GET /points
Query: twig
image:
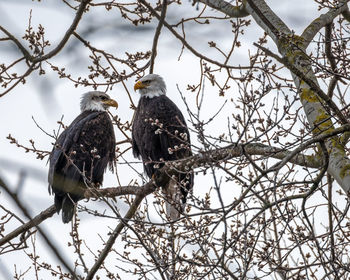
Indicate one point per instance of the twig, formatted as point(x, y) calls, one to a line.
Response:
point(113, 237)
point(313, 86)
point(331, 59)
point(68, 33)
point(43, 234)
point(42, 216)
point(37, 59)
point(60, 45)
point(157, 34)
point(202, 159)
point(186, 44)
point(313, 189)
point(24, 51)
point(30, 69)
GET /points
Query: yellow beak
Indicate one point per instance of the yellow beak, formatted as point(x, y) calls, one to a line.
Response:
point(139, 85)
point(111, 102)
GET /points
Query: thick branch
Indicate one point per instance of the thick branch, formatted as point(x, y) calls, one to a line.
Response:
point(320, 22)
point(198, 160)
point(227, 8)
point(49, 212)
point(267, 19)
point(122, 190)
point(292, 48)
point(220, 155)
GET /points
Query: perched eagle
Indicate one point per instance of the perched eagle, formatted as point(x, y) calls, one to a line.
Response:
point(159, 134)
point(82, 152)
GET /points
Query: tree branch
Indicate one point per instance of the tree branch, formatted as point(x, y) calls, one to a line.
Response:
point(227, 8)
point(313, 86)
point(185, 43)
point(57, 252)
point(316, 25)
point(291, 48)
point(346, 14)
point(195, 161)
point(267, 19)
point(68, 33)
point(61, 44)
point(30, 69)
point(157, 34)
point(24, 51)
point(113, 237)
point(49, 212)
point(198, 160)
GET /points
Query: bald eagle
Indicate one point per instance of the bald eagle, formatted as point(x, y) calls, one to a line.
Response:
point(159, 134)
point(82, 152)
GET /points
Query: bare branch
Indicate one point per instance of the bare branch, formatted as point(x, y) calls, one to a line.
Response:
point(60, 45)
point(316, 25)
point(323, 96)
point(227, 8)
point(48, 213)
point(157, 34)
point(185, 43)
point(54, 249)
point(82, 7)
point(113, 237)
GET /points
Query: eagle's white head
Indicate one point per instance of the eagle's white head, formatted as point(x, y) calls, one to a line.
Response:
point(96, 101)
point(151, 85)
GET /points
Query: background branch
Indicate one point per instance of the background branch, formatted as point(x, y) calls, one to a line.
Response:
point(157, 34)
point(48, 241)
point(113, 237)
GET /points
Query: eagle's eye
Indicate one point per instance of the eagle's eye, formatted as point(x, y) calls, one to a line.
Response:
point(103, 98)
point(147, 82)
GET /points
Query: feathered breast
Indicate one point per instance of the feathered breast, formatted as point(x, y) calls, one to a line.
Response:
point(159, 132)
point(82, 151)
